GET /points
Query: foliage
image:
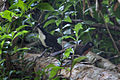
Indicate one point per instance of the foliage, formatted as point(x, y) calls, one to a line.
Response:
point(71, 20)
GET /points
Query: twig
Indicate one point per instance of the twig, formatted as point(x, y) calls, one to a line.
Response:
point(31, 44)
point(71, 66)
point(39, 21)
point(110, 33)
point(40, 16)
point(61, 51)
point(40, 55)
point(116, 56)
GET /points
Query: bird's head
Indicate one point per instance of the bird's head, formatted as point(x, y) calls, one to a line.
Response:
point(89, 44)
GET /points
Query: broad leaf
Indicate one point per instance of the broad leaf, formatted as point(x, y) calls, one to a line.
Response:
point(49, 22)
point(0, 28)
point(67, 52)
point(2, 43)
point(30, 2)
point(77, 28)
point(65, 37)
point(0, 51)
point(20, 33)
point(45, 6)
point(25, 48)
point(79, 59)
point(7, 15)
point(58, 22)
point(20, 27)
point(19, 4)
point(87, 30)
point(6, 37)
point(54, 71)
point(67, 19)
point(1, 61)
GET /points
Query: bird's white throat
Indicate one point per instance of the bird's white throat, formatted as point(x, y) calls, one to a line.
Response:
point(42, 37)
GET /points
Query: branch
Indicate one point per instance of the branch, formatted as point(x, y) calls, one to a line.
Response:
point(116, 28)
point(110, 33)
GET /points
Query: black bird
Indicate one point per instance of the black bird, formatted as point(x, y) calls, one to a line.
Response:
point(83, 50)
point(48, 40)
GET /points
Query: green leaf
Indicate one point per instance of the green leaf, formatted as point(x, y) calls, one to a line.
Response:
point(25, 48)
point(50, 66)
point(87, 30)
point(67, 19)
point(67, 53)
point(65, 37)
point(0, 28)
point(58, 22)
point(67, 7)
point(54, 71)
point(20, 33)
point(61, 8)
point(16, 49)
point(77, 28)
point(20, 27)
point(0, 51)
point(67, 32)
point(79, 59)
point(1, 61)
point(11, 71)
point(57, 78)
point(45, 6)
point(106, 17)
point(47, 15)
point(2, 43)
point(19, 4)
point(7, 15)
point(13, 33)
point(6, 37)
point(30, 2)
point(65, 26)
point(49, 22)
point(68, 69)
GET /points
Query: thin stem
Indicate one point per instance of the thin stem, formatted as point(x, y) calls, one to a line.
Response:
point(109, 33)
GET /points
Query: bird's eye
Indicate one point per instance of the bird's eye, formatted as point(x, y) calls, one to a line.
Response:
point(91, 44)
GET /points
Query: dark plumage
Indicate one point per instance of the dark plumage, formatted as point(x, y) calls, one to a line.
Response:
point(48, 40)
point(83, 50)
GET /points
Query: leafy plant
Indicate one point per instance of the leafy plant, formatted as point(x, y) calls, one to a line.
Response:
point(71, 20)
point(54, 70)
point(79, 32)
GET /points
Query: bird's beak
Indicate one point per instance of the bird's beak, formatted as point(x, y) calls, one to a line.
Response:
point(35, 29)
